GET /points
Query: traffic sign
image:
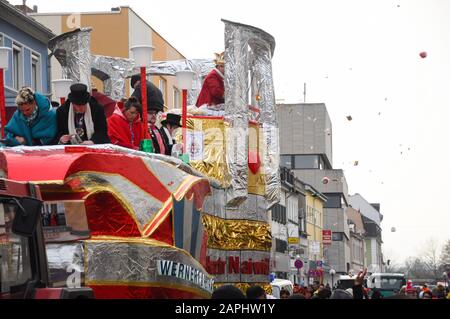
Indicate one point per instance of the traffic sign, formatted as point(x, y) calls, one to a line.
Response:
point(326, 237)
point(298, 264)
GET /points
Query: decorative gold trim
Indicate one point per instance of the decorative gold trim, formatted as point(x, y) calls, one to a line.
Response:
point(95, 189)
point(230, 234)
point(186, 184)
point(49, 182)
point(108, 174)
point(150, 228)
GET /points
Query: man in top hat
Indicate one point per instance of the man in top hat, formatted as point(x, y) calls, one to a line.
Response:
point(159, 144)
point(169, 125)
point(81, 120)
point(155, 98)
point(212, 92)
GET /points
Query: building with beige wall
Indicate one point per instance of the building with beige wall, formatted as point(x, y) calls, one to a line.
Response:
point(357, 244)
point(114, 33)
point(315, 201)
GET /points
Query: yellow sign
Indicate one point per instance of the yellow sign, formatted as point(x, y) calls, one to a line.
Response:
point(293, 240)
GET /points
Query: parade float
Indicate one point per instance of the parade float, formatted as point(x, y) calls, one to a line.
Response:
point(126, 224)
point(130, 224)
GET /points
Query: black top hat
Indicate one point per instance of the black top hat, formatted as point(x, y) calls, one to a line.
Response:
point(173, 119)
point(134, 79)
point(79, 94)
point(54, 104)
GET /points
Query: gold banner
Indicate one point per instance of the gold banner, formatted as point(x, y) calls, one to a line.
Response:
point(213, 163)
point(237, 234)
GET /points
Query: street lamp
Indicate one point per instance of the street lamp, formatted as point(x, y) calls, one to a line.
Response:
point(184, 79)
point(332, 273)
point(445, 274)
point(62, 89)
point(4, 63)
point(142, 55)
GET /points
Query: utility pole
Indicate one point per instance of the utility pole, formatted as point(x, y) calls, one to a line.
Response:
point(304, 92)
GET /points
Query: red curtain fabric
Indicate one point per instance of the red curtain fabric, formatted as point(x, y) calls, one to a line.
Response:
point(107, 217)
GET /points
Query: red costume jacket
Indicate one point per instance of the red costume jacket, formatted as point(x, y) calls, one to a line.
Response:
point(122, 133)
point(212, 90)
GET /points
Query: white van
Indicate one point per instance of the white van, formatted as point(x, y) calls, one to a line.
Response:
point(345, 281)
point(388, 283)
point(278, 284)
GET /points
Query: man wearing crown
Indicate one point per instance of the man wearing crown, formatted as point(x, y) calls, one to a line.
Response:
point(212, 92)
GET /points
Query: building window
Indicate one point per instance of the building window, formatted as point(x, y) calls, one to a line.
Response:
point(301, 219)
point(35, 72)
point(176, 98)
point(313, 216)
point(17, 67)
point(286, 161)
point(308, 214)
point(337, 236)
point(162, 87)
point(333, 201)
point(292, 210)
point(280, 246)
point(318, 219)
point(279, 214)
point(321, 163)
point(306, 161)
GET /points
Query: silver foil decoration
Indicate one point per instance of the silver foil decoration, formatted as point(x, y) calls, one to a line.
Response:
point(253, 208)
point(248, 79)
point(113, 72)
point(236, 111)
point(201, 68)
point(66, 264)
point(127, 261)
point(72, 50)
point(271, 159)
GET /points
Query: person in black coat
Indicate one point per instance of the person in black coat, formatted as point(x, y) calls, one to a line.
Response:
point(81, 120)
point(169, 125)
point(157, 135)
point(155, 98)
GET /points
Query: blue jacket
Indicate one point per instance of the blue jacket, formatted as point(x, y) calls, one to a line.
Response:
point(43, 128)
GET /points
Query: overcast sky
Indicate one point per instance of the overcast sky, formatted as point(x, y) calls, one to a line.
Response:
point(360, 58)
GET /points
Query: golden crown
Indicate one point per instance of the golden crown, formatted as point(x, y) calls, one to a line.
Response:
point(220, 58)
